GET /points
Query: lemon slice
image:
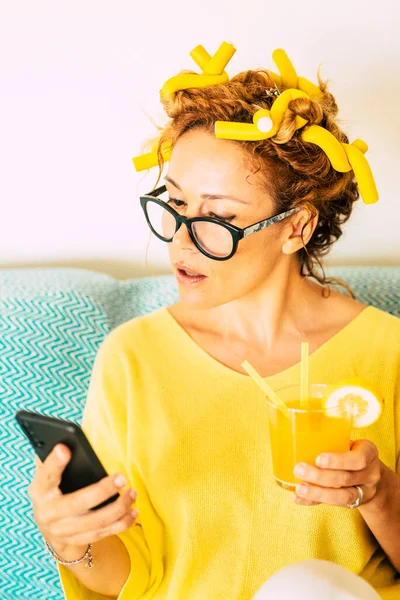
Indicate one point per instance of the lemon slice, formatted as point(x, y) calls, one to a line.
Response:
point(357, 397)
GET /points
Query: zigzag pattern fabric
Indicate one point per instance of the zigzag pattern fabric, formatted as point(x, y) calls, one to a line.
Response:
point(52, 322)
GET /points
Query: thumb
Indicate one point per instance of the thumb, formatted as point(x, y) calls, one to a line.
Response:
point(53, 467)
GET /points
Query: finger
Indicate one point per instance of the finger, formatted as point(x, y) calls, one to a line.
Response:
point(81, 538)
point(81, 501)
point(303, 501)
point(49, 474)
point(335, 478)
point(94, 521)
point(361, 454)
point(331, 496)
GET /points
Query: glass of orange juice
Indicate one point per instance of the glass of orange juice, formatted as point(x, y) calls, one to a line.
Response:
point(304, 433)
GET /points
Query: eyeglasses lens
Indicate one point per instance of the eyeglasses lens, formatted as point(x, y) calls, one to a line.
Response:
point(162, 221)
point(215, 239)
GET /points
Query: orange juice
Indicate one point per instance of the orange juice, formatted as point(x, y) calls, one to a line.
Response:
point(305, 433)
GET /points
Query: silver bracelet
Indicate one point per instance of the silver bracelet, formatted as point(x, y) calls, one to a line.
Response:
point(60, 560)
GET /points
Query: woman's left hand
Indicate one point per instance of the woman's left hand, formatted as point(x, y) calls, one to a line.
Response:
point(332, 482)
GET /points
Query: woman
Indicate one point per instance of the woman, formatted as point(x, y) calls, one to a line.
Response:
point(170, 407)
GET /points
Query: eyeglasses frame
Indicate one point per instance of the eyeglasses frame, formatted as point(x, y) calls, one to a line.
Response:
point(237, 233)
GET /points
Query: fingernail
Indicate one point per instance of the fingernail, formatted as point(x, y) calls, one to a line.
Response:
point(132, 494)
point(322, 461)
point(120, 481)
point(60, 453)
point(134, 513)
point(299, 470)
point(302, 490)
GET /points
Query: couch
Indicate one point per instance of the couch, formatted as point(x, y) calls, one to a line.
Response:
point(52, 322)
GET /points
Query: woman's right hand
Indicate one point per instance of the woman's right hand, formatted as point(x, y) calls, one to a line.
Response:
point(65, 520)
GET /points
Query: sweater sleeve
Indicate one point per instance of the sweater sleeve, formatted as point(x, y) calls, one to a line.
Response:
point(391, 335)
point(397, 417)
point(104, 422)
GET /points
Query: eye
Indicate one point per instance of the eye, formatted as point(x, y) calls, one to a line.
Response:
point(177, 203)
point(225, 219)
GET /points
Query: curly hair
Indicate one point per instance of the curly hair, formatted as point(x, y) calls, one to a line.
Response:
point(302, 173)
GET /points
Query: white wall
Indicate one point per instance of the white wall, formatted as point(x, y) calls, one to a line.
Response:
point(77, 79)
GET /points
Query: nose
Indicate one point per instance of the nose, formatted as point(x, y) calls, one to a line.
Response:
point(182, 239)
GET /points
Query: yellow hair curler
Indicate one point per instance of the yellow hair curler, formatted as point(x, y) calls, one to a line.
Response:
point(212, 73)
point(256, 131)
point(363, 173)
point(361, 145)
point(330, 145)
point(150, 159)
point(286, 68)
point(288, 77)
point(309, 88)
point(344, 157)
point(212, 67)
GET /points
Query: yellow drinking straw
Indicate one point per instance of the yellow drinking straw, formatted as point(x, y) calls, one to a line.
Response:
point(265, 387)
point(304, 375)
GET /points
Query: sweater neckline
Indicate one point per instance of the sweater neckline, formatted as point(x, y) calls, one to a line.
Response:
point(224, 369)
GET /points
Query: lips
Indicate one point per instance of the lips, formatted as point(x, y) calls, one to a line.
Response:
point(188, 270)
point(188, 275)
point(191, 273)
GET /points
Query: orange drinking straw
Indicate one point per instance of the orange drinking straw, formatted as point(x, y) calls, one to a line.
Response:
point(268, 391)
point(304, 375)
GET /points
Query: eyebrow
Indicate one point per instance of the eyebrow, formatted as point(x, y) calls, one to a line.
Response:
point(208, 196)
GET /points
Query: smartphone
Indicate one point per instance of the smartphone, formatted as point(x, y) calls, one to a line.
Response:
point(83, 469)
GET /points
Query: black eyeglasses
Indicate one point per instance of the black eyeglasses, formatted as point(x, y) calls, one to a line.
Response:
point(216, 240)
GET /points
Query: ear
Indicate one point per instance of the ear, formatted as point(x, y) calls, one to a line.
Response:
point(298, 233)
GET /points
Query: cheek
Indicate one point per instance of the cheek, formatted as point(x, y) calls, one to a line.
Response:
point(253, 263)
point(229, 280)
point(260, 250)
point(252, 267)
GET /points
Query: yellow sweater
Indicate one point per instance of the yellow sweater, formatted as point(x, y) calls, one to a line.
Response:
point(191, 435)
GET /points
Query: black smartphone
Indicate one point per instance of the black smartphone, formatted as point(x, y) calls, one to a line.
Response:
point(83, 469)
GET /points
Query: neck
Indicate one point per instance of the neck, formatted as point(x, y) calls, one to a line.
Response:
point(284, 304)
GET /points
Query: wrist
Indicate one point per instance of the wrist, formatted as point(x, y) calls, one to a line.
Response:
point(68, 552)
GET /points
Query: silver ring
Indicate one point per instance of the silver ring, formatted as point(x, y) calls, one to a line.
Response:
point(359, 499)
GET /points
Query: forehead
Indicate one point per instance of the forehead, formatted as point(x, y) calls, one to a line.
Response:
point(200, 162)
